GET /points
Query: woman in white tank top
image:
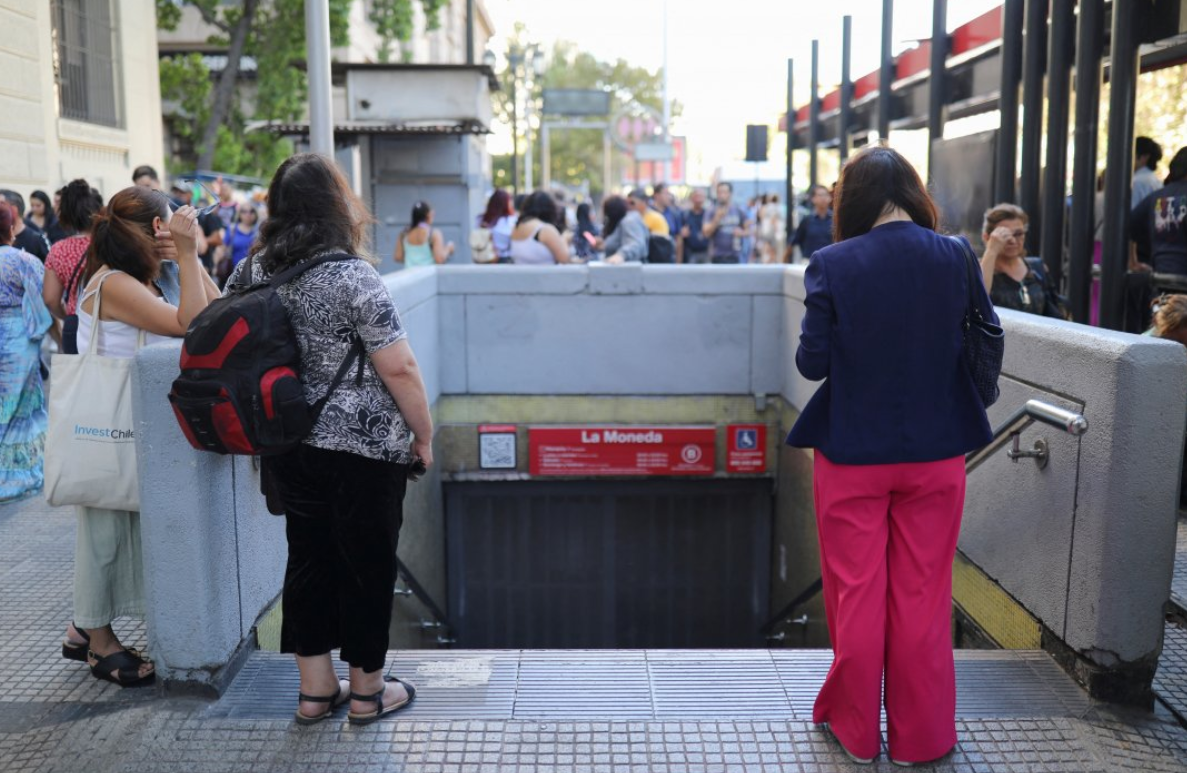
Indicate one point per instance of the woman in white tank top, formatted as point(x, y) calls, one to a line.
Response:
point(129, 241)
point(535, 240)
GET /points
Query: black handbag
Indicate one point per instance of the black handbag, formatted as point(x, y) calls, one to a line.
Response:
point(984, 341)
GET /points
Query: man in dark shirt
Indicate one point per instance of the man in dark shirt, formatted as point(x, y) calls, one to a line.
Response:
point(25, 237)
point(694, 241)
point(1158, 224)
point(816, 229)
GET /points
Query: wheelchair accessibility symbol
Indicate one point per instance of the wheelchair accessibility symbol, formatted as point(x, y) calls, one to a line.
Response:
point(746, 439)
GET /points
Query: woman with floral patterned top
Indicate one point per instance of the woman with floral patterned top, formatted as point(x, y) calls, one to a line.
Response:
point(342, 489)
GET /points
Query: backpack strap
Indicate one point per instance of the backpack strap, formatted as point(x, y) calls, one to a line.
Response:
point(358, 353)
point(292, 272)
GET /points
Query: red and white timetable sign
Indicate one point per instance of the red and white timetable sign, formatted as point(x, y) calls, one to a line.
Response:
point(622, 450)
point(746, 448)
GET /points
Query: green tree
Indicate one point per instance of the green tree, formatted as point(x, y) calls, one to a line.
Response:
point(393, 21)
point(577, 154)
point(211, 117)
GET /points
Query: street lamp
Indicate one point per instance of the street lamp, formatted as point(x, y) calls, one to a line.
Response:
point(531, 59)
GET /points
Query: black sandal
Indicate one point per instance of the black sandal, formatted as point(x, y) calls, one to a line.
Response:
point(337, 699)
point(377, 699)
point(72, 651)
point(126, 664)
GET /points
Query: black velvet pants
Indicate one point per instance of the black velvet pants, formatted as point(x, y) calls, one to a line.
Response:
point(343, 514)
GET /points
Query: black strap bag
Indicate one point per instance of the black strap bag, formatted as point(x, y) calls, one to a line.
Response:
point(70, 323)
point(240, 389)
point(984, 341)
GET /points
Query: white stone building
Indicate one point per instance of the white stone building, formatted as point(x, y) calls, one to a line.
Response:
point(80, 95)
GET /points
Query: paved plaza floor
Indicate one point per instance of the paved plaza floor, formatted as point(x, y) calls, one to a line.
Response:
point(546, 711)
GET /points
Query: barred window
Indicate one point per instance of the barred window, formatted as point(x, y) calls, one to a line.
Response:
point(86, 65)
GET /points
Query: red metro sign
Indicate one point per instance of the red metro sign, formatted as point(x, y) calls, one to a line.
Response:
point(586, 451)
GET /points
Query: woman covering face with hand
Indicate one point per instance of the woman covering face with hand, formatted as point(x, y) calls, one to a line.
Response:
point(132, 238)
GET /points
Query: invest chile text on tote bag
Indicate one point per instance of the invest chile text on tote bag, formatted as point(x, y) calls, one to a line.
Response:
point(90, 448)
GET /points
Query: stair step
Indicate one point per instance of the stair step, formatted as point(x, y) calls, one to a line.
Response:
point(652, 685)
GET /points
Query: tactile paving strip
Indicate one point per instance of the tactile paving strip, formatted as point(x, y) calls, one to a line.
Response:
point(652, 685)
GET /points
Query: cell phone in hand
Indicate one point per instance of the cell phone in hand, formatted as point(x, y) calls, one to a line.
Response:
point(417, 469)
point(593, 241)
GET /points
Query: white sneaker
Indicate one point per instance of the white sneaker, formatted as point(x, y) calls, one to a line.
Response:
point(903, 764)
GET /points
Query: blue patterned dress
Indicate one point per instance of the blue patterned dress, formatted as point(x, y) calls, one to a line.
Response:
point(23, 322)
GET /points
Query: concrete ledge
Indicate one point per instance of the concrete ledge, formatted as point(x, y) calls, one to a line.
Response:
point(411, 288)
point(615, 280)
point(513, 280)
point(713, 280)
point(793, 284)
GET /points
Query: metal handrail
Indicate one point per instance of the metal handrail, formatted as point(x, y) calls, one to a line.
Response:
point(1008, 432)
point(417, 590)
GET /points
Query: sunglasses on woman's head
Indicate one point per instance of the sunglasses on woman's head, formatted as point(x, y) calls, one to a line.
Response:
point(204, 210)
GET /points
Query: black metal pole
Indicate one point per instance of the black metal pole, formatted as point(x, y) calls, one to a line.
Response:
point(845, 119)
point(886, 71)
point(1034, 65)
point(790, 193)
point(1006, 157)
point(1004, 179)
point(814, 115)
point(469, 31)
point(1089, 45)
point(1123, 83)
point(1059, 66)
point(938, 79)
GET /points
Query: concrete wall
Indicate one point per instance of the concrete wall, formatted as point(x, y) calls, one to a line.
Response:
point(1085, 546)
point(40, 150)
point(213, 556)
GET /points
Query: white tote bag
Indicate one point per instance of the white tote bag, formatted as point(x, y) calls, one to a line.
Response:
point(90, 447)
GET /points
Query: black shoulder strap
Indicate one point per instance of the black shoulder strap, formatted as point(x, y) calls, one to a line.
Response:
point(292, 272)
point(74, 276)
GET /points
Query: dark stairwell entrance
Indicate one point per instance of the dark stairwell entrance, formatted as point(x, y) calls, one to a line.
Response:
point(609, 564)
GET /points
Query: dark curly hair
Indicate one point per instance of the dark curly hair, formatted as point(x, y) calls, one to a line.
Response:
point(311, 209)
point(80, 203)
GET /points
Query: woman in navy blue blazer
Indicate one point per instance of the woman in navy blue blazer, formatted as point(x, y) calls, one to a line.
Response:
point(890, 427)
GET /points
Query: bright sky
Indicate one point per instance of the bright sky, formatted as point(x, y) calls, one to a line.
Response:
point(727, 60)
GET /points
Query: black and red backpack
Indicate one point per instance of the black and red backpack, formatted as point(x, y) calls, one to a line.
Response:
point(240, 388)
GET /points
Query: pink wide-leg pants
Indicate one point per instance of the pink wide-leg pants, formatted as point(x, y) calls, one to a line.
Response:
point(887, 539)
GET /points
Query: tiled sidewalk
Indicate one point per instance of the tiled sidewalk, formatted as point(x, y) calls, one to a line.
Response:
point(543, 712)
